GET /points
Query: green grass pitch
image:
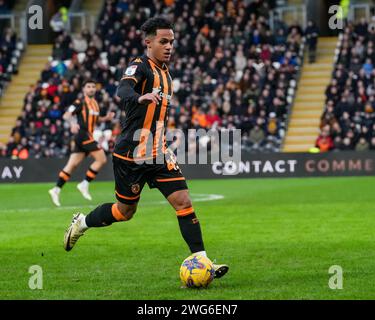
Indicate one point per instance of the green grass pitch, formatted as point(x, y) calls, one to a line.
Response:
point(279, 238)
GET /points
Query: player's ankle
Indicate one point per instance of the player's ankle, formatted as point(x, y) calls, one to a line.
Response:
point(83, 226)
point(201, 253)
point(85, 183)
point(57, 189)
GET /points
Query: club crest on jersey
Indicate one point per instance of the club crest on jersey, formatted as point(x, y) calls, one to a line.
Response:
point(135, 188)
point(130, 70)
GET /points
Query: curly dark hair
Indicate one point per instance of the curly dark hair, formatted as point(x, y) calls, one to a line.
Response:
point(88, 81)
point(153, 24)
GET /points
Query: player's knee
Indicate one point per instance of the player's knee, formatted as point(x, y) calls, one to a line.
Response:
point(183, 203)
point(71, 167)
point(127, 211)
point(130, 213)
point(103, 161)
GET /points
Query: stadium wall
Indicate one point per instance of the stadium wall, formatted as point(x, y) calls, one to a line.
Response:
point(273, 165)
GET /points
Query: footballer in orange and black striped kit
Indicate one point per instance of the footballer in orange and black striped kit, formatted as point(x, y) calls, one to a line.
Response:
point(143, 76)
point(83, 116)
point(146, 90)
point(87, 112)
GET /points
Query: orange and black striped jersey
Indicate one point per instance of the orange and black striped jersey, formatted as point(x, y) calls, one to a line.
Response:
point(143, 129)
point(87, 112)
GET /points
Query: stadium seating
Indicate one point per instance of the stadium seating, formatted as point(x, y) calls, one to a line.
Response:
point(10, 53)
point(348, 119)
point(9, 47)
point(230, 71)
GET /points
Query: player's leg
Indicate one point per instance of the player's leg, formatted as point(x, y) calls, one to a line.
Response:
point(102, 216)
point(100, 160)
point(127, 193)
point(64, 175)
point(172, 184)
point(108, 213)
point(190, 227)
point(187, 220)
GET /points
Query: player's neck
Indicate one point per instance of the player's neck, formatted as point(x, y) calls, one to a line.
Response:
point(156, 61)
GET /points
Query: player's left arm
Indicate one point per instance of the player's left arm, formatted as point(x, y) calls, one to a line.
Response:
point(71, 116)
point(108, 117)
point(135, 73)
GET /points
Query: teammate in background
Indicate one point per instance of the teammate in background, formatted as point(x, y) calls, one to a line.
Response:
point(146, 90)
point(83, 116)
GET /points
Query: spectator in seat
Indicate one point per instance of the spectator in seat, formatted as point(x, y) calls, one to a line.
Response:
point(372, 144)
point(368, 67)
point(362, 145)
point(257, 136)
point(324, 141)
point(59, 20)
point(347, 144)
point(361, 28)
point(337, 143)
point(79, 43)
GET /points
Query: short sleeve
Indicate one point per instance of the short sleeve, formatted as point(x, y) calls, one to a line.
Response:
point(75, 107)
point(135, 71)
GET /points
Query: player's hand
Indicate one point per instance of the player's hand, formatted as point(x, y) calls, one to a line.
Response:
point(110, 116)
point(149, 98)
point(74, 128)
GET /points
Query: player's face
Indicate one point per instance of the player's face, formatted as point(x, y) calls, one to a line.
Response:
point(89, 89)
point(161, 45)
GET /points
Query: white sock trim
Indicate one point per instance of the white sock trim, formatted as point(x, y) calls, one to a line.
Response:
point(201, 253)
point(83, 225)
point(85, 183)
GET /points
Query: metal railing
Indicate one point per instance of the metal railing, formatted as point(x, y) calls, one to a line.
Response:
point(17, 21)
point(358, 11)
point(74, 16)
point(85, 20)
point(75, 6)
point(297, 12)
point(11, 17)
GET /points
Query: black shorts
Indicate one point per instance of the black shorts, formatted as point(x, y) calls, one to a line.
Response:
point(131, 177)
point(84, 142)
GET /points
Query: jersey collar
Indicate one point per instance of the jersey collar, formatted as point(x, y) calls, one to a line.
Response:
point(164, 67)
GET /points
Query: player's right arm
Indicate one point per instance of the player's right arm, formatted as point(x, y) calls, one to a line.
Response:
point(133, 75)
point(70, 116)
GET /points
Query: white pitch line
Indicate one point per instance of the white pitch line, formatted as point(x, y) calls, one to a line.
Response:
point(196, 197)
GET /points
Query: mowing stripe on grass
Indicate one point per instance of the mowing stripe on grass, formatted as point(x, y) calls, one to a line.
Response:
point(196, 197)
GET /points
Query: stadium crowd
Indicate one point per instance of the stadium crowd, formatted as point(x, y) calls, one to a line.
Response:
point(348, 120)
point(9, 55)
point(229, 69)
point(10, 52)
